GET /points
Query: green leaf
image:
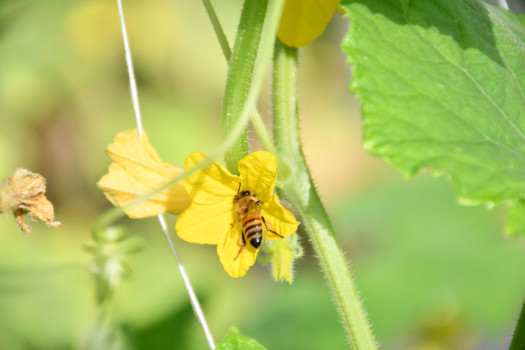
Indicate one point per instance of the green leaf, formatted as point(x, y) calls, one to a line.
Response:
point(516, 219)
point(236, 341)
point(442, 84)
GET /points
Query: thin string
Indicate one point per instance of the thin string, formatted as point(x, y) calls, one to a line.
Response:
point(193, 297)
point(129, 63)
point(135, 99)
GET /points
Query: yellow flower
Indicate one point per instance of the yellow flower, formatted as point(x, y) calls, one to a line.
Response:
point(212, 217)
point(137, 170)
point(304, 20)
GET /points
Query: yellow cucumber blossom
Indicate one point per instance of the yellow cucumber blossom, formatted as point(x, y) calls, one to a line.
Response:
point(234, 212)
point(304, 20)
point(137, 170)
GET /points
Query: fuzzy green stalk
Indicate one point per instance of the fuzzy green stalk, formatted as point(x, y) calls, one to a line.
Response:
point(518, 339)
point(300, 190)
point(239, 80)
point(256, 118)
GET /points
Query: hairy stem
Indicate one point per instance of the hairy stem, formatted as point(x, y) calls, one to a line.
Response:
point(300, 190)
point(239, 80)
point(257, 121)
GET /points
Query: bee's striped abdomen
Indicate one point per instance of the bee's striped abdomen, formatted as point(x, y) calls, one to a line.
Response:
point(252, 229)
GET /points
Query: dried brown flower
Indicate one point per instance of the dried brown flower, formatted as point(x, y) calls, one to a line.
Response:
point(24, 193)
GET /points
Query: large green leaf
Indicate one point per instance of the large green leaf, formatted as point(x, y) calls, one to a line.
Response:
point(442, 84)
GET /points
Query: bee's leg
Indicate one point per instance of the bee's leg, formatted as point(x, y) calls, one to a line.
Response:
point(233, 226)
point(242, 242)
point(269, 227)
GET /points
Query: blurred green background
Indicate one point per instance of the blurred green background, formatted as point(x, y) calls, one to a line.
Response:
point(432, 274)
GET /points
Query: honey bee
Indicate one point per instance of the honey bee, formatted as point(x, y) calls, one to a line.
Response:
point(248, 208)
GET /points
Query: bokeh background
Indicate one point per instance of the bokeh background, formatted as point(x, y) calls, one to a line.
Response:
point(433, 274)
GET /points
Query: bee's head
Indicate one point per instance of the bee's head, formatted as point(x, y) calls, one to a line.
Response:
point(242, 194)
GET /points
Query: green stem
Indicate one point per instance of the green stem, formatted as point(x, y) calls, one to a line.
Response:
point(100, 335)
point(262, 132)
point(223, 41)
point(518, 339)
point(300, 190)
point(257, 121)
point(239, 80)
point(284, 99)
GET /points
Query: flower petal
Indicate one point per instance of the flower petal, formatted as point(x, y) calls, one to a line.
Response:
point(204, 224)
point(258, 174)
point(229, 247)
point(120, 187)
point(210, 184)
point(137, 156)
point(42, 208)
point(278, 219)
point(304, 20)
point(136, 170)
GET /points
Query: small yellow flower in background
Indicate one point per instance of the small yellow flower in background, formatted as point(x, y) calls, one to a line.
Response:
point(24, 193)
point(213, 218)
point(304, 20)
point(137, 170)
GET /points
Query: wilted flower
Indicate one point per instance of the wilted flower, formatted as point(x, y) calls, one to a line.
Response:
point(24, 193)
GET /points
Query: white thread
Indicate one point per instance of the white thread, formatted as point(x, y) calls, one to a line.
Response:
point(129, 63)
point(135, 99)
point(193, 297)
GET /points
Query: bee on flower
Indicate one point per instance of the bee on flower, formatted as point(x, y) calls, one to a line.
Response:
point(236, 213)
point(248, 208)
